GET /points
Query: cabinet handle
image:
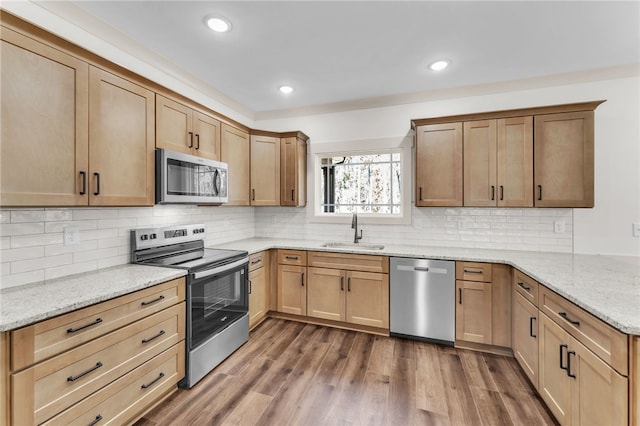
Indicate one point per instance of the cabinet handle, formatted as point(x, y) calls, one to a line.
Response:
point(292, 257)
point(472, 271)
point(190, 139)
point(420, 191)
point(94, 368)
point(349, 284)
point(82, 327)
point(493, 192)
point(153, 337)
point(566, 318)
point(197, 141)
point(569, 364)
point(84, 182)
point(459, 296)
point(249, 286)
point(521, 284)
point(253, 194)
point(341, 283)
point(293, 192)
point(539, 192)
point(562, 367)
point(501, 192)
point(97, 191)
point(256, 261)
point(96, 420)
point(303, 279)
point(531, 320)
point(152, 301)
point(146, 385)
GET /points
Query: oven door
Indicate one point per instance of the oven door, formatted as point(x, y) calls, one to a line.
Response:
point(216, 298)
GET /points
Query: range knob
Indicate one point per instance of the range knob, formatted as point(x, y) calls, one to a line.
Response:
point(153, 236)
point(201, 230)
point(144, 237)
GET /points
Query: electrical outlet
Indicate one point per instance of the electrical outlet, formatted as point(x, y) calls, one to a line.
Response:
point(71, 235)
point(636, 229)
point(558, 226)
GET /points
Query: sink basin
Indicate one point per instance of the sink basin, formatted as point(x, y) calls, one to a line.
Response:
point(351, 246)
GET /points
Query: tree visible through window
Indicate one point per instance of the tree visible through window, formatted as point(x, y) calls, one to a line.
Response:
point(361, 183)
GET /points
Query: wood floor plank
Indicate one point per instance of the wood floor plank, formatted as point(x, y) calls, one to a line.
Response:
point(430, 392)
point(286, 338)
point(375, 395)
point(404, 348)
point(524, 407)
point(248, 410)
point(382, 355)
point(476, 370)
point(461, 407)
point(401, 405)
point(491, 407)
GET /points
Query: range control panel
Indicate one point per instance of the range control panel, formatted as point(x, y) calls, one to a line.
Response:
point(155, 237)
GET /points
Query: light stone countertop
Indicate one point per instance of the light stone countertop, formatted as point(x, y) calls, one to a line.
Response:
point(23, 305)
point(606, 286)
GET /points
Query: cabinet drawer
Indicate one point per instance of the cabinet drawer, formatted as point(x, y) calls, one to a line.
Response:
point(351, 262)
point(605, 341)
point(46, 389)
point(292, 257)
point(45, 339)
point(129, 396)
point(526, 286)
point(256, 261)
point(473, 271)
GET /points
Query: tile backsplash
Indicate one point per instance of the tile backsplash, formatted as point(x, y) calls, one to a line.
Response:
point(32, 243)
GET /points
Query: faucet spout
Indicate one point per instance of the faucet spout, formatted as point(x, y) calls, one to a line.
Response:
point(354, 226)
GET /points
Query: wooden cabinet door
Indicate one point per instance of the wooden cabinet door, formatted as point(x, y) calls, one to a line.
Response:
point(121, 141)
point(234, 150)
point(554, 384)
point(473, 311)
point(515, 162)
point(206, 131)
point(480, 146)
point(265, 171)
point(563, 150)
point(525, 336)
point(44, 121)
point(599, 394)
point(367, 300)
point(293, 174)
point(501, 305)
point(257, 295)
point(292, 290)
point(326, 293)
point(174, 124)
point(300, 198)
point(439, 165)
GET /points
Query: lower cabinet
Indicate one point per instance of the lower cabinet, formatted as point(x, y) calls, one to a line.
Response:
point(525, 336)
point(258, 288)
point(473, 311)
point(577, 386)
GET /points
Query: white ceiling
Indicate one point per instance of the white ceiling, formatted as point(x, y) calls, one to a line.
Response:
point(338, 51)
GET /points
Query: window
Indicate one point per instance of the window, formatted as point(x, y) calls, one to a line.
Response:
point(367, 183)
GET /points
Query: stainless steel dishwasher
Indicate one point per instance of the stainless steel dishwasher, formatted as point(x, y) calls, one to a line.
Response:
point(422, 299)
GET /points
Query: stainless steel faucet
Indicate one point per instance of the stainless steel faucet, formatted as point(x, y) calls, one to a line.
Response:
point(354, 225)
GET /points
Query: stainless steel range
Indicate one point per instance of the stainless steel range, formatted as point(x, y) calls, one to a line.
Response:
point(217, 292)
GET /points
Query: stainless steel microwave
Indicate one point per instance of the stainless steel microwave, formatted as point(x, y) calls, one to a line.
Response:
point(187, 179)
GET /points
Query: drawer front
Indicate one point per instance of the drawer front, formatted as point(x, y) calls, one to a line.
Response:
point(45, 339)
point(350, 262)
point(292, 257)
point(605, 341)
point(473, 271)
point(526, 286)
point(256, 261)
point(56, 384)
point(124, 400)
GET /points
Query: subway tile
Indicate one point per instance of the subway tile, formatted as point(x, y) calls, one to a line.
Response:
point(98, 234)
point(117, 223)
point(22, 216)
point(57, 249)
point(76, 268)
point(57, 215)
point(15, 280)
point(95, 214)
point(18, 254)
point(5, 243)
point(52, 227)
point(108, 262)
point(5, 216)
point(135, 212)
point(5, 269)
point(36, 240)
point(120, 240)
point(84, 256)
point(11, 229)
point(41, 263)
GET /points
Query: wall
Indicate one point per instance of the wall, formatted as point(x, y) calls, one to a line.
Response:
point(605, 229)
point(32, 246)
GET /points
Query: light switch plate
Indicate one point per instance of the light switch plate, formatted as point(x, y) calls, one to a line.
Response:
point(558, 226)
point(636, 229)
point(71, 235)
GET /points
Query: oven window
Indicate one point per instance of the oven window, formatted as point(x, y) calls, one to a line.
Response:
point(217, 302)
point(185, 178)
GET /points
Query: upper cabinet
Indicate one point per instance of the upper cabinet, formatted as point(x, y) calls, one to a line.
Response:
point(293, 170)
point(540, 157)
point(564, 145)
point(183, 129)
point(234, 150)
point(265, 170)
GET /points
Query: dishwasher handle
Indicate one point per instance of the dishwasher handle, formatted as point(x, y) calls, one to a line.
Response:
point(430, 269)
point(421, 268)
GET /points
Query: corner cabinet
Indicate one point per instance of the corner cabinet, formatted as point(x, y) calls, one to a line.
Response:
point(234, 150)
point(265, 170)
point(293, 174)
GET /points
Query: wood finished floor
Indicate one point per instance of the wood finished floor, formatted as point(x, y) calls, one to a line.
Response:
point(291, 373)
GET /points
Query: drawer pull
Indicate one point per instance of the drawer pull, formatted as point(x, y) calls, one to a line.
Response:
point(153, 337)
point(472, 271)
point(255, 262)
point(569, 364)
point(459, 296)
point(521, 284)
point(249, 286)
point(562, 367)
point(292, 257)
point(341, 283)
point(531, 320)
point(74, 378)
point(566, 317)
point(152, 301)
point(96, 420)
point(73, 330)
point(146, 385)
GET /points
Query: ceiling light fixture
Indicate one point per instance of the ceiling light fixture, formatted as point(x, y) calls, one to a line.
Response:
point(439, 65)
point(286, 89)
point(218, 24)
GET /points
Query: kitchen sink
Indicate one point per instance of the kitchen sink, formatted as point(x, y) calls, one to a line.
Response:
point(359, 246)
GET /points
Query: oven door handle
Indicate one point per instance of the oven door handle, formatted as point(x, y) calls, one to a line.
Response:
point(221, 269)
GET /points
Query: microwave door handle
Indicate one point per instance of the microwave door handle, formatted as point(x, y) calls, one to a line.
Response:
point(216, 182)
point(219, 270)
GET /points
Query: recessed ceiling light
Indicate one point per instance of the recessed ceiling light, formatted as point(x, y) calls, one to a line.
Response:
point(439, 65)
point(218, 24)
point(286, 89)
